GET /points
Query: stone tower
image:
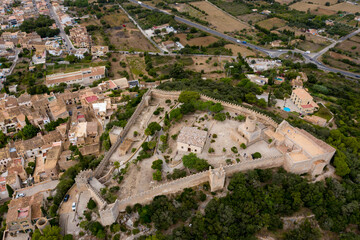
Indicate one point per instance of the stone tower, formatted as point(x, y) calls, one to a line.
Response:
point(82, 179)
point(250, 123)
point(217, 178)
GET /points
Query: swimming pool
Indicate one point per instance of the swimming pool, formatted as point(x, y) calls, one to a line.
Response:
point(286, 109)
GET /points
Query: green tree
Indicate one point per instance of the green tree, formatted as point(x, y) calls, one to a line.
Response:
point(176, 114)
point(152, 128)
point(220, 117)
point(217, 107)
point(188, 96)
point(91, 204)
point(340, 164)
point(157, 164)
point(49, 233)
point(157, 175)
point(304, 232)
point(256, 155)
point(191, 161)
point(9, 190)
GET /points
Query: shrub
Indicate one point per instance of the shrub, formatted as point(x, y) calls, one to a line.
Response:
point(220, 117)
point(91, 204)
point(214, 135)
point(157, 175)
point(211, 150)
point(256, 155)
point(228, 161)
point(234, 149)
point(157, 164)
point(243, 146)
point(191, 161)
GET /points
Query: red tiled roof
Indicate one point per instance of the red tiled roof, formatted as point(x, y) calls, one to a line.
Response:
point(307, 106)
point(91, 99)
point(80, 116)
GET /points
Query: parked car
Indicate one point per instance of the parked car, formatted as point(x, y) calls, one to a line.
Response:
point(66, 198)
point(73, 207)
point(19, 195)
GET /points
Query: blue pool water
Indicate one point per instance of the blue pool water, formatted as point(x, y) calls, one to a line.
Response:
point(286, 109)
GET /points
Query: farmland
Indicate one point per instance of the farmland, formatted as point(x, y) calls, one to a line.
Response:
point(240, 49)
point(272, 23)
point(198, 41)
point(116, 30)
point(235, 8)
point(321, 9)
point(345, 55)
point(218, 19)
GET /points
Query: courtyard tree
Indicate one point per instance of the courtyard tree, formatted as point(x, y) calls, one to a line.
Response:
point(217, 107)
point(152, 128)
point(49, 232)
point(176, 114)
point(191, 161)
point(220, 117)
point(157, 164)
point(256, 155)
point(157, 175)
point(91, 204)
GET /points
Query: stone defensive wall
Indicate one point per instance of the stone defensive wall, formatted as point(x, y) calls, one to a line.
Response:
point(197, 179)
point(100, 168)
point(164, 189)
point(174, 95)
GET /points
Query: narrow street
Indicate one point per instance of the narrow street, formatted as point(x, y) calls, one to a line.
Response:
point(53, 15)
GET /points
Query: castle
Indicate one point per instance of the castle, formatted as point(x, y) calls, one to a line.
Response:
point(299, 152)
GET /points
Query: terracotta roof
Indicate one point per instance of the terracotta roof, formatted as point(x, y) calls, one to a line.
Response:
point(302, 93)
point(91, 99)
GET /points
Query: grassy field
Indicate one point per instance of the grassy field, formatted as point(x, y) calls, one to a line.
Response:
point(183, 7)
point(272, 23)
point(197, 41)
point(218, 19)
point(235, 8)
point(323, 112)
point(310, 46)
point(137, 66)
point(321, 2)
point(252, 17)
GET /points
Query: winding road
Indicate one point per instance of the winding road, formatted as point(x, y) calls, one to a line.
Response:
point(310, 58)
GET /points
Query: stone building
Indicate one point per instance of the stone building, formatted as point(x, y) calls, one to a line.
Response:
point(304, 101)
point(191, 139)
point(248, 131)
point(24, 212)
point(303, 152)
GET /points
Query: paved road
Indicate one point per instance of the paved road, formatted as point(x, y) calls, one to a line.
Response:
point(321, 52)
point(53, 14)
point(269, 52)
point(39, 187)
